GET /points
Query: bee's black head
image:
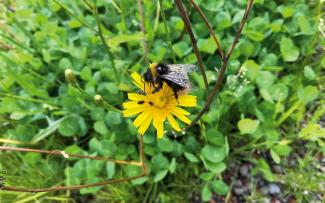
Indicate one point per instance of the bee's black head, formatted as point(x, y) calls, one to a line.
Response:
point(147, 76)
point(162, 69)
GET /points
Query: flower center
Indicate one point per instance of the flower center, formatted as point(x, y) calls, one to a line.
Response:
point(158, 99)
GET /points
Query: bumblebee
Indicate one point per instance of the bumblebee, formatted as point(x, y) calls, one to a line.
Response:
point(174, 75)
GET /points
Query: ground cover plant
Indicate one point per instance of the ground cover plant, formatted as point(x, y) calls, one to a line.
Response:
point(65, 72)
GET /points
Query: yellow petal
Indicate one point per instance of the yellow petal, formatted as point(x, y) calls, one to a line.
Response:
point(133, 111)
point(182, 118)
point(145, 125)
point(159, 127)
point(142, 117)
point(136, 97)
point(137, 80)
point(177, 110)
point(131, 104)
point(187, 100)
point(173, 122)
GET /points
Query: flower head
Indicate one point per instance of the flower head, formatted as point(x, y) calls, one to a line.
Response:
point(156, 107)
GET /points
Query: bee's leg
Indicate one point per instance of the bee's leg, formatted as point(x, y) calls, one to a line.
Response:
point(176, 95)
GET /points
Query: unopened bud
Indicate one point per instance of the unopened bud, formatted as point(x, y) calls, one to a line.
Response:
point(69, 76)
point(98, 99)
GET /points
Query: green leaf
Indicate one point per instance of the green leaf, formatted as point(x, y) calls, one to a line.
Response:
point(160, 175)
point(279, 92)
point(289, 51)
point(113, 118)
point(110, 169)
point(101, 128)
point(252, 69)
point(309, 73)
point(286, 11)
point(312, 132)
point(207, 45)
point(43, 133)
point(159, 162)
point(216, 168)
point(69, 126)
point(282, 149)
point(181, 49)
point(276, 158)
point(65, 63)
point(95, 145)
point(114, 42)
point(254, 35)
point(215, 137)
point(172, 166)
point(219, 187)
point(213, 154)
point(266, 95)
point(304, 25)
point(207, 176)
point(191, 157)
point(86, 73)
point(264, 168)
point(223, 20)
point(206, 193)
point(165, 145)
point(308, 94)
point(248, 126)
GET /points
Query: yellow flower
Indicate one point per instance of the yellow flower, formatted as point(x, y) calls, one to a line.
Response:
point(156, 107)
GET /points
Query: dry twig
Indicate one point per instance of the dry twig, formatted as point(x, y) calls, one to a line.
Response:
point(145, 48)
point(224, 65)
point(187, 23)
point(78, 187)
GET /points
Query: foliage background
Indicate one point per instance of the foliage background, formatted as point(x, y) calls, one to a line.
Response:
point(269, 112)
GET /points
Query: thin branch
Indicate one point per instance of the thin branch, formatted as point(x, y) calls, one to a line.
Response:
point(66, 155)
point(142, 26)
point(187, 23)
point(209, 28)
point(78, 187)
point(72, 187)
point(224, 65)
point(100, 32)
point(167, 31)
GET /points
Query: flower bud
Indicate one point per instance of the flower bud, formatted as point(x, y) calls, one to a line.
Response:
point(69, 76)
point(98, 99)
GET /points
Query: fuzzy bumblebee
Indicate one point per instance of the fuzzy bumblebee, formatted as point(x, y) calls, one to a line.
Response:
point(174, 75)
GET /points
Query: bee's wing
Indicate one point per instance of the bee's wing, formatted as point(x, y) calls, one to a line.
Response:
point(178, 74)
point(188, 68)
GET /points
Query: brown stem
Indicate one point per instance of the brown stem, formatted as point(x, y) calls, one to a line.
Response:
point(223, 66)
point(78, 187)
point(144, 167)
point(145, 48)
point(62, 153)
point(72, 187)
point(187, 23)
point(209, 28)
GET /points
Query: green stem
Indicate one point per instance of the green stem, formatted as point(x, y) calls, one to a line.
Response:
point(104, 104)
point(105, 44)
point(167, 31)
point(288, 112)
point(76, 17)
point(16, 43)
point(27, 99)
